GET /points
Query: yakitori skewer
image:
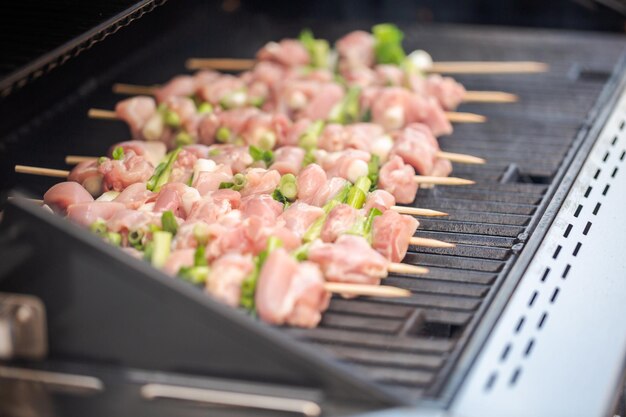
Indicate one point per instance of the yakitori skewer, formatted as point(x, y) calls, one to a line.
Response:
point(385, 291)
point(469, 97)
point(441, 67)
point(420, 179)
point(452, 116)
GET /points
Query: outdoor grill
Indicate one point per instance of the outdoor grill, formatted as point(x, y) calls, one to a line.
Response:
point(523, 317)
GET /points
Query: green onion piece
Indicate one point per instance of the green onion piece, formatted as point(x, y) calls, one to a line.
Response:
point(256, 101)
point(358, 193)
point(196, 275)
point(239, 181)
point(223, 134)
point(288, 187)
point(113, 238)
point(369, 221)
point(171, 118)
point(168, 222)
point(248, 286)
point(317, 48)
point(201, 233)
point(102, 160)
point(99, 227)
point(234, 99)
point(373, 168)
point(315, 230)
point(118, 153)
point(183, 139)
point(135, 239)
point(348, 109)
point(388, 44)
point(214, 152)
point(342, 195)
point(205, 108)
point(225, 185)
point(308, 140)
point(267, 141)
point(302, 252)
point(199, 257)
point(309, 158)
point(162, 173)
point(278, 196)
point(161, 250)
point(259, 154)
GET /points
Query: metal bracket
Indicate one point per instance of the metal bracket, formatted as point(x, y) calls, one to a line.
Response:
point(23, 331)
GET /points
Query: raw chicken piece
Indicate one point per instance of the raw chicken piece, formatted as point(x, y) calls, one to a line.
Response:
point(356, 49)
point(310, 182)
point(227, 274)
point(134, 196)
point(391, 233)
point(288, 160)
point(136, 111)
point(87, 213)
point(288, 52)
point(236, 157)
point(380, 199)
point(262, 206)
point(260, 181)
point(339, 221)
point(398, 179)
point(119, 174)
point(154, 152)
point(290, 293)
point(416, 145)
point(209, 181)
point(87, 174)
point(300, 216)
point(64, 194)
point(178, 259)
point(350, 259)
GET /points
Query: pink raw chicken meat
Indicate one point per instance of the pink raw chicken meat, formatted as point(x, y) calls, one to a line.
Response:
point(236, 157)
point(221, 87)
point(64, 194)
point(154, 152)
point(136, 111)
point(87, 213)
point(260, 126)
point(206, 182)
point(260, 181)
point(356, 49)
point(290, 293)
point(134, 196)
point(119, 174)
point(391, 233)
point(124, 220)
point(416, 145)
point(300, 216)
point(398, 179)
point(227, 274)
point(262, 206)
point(87, 174)
point(339, 221)
point(380, 199)
point(287, 52)
point(350, 259)
point(288, 160)
point(178, 259)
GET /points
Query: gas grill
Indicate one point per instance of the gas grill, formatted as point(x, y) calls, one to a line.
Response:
point(523, 317)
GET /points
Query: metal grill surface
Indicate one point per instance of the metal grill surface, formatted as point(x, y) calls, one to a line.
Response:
point(408, 344)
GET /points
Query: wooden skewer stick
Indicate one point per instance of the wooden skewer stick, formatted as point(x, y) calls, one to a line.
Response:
point(463, 117)
point(460, 158)
point(449, 67)
point(453, 116)
point(47, 172)
point(487, 67)
point(430, 243)
point(414, 211)
point(366, 290)
point(469, 97)
point(489, 97)
point(77, 159)
point(399, 268)
point(425, 179)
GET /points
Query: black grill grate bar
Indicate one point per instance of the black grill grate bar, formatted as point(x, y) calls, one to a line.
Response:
point(468, 239)
point(386, 358)
point(438, 287)
point(510, 141)
point(353, 338)
point(449, 274)
point(398, 376)
point(470, 227)
point(482, 195)
point(468, 251)
point(425, 300)
point(425, 259)
point(365, 324)
point(490, 218)
point(456, 204)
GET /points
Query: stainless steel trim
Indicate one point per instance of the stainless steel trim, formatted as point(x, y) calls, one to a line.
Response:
point(80, 382)
point(229, 398)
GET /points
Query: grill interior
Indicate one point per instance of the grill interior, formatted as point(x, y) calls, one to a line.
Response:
point(410, 345)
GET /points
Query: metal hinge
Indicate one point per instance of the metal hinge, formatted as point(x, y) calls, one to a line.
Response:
point(23, 331)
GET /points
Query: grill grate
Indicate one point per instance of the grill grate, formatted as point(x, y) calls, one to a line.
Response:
point(406, 344)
